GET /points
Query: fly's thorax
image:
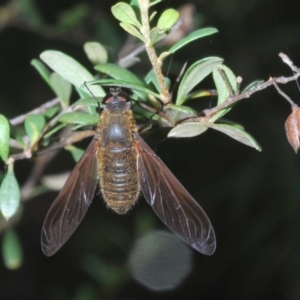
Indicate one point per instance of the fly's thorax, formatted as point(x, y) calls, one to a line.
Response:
point(116, 127)
point(117, 160)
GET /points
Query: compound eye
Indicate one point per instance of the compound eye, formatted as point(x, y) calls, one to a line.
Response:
point(115, 96)
point(123, 97)
point(109, 98)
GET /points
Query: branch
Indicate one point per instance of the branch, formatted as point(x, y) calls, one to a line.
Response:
point(272, 81)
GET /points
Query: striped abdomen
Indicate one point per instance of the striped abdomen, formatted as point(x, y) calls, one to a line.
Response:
point(117, 161)
point(118, 178)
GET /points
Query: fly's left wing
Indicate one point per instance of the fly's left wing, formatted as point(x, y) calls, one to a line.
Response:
point(71, 204)
point(171, 202)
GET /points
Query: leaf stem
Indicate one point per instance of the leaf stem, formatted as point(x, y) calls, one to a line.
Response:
point(156, 63)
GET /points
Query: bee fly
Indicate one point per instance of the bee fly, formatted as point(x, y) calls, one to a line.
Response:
point(126, 165)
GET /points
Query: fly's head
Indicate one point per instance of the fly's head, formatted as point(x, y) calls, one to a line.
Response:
point(116, 101)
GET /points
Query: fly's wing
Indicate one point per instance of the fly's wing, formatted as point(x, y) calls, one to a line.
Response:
point(71, 204)
point(171, 202)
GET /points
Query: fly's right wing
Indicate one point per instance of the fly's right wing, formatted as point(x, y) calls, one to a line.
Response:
point(171, 202)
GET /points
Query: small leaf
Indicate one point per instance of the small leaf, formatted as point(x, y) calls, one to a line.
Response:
point(76, 152)
point(134, 3)
point(4, 138)
point(156, 35)
point(168, 18)
point(251, 85)
point(123, 12)
point(62, 89)
point(11, 250)
point(193, 36)
point(119, 73)
point(152, 16)
point(195, 74)
point(222, 87)
point(163, 56)
point(74, 17)
point(78, 118)
point(9, 194)
point(15, 135)
point(154, 2)
point(177, 113)
point(70, 69)
point(133, 31)
point(151, 78)
point(50, 112)
point(34, 125)
point(125, 84)
point(96, 53)
point(88, 102)
point(42, 69)
point(236, 133)
point(189, 129)
point(53, 130)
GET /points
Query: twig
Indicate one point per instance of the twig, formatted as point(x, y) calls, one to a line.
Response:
point(156, 63)
point(231, 100)
point(284, 95)
point(20, 119)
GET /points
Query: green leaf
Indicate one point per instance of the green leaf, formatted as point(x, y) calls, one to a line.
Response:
point(236, 133)
point(4, 138)
point(106, 274)
point(251, 85)
point(121, 83)
point(11, 250)
point(29, 11)
point(152, 16)
point(195, 74)
point(88, 102)
point(156, 35)
point(154, 2)
point(53, 130)
point(134, 3)
point(163, 56)
point(119, 73)
point(191, 37)
point(168, 18)
point(96, 53)
point(189, 129)
point(133, 31)
point(10, 194)
point(34, 125)
point(50, 112)
point(222, 88)
point(151, 78)
point(42, 69)
point(70, 69)
point(16, 135)
point(76, 152)
point(62, 89)
point(78, 118)
point(201, 93)
point(73, 18)
point(177, 113)
point(123, 12)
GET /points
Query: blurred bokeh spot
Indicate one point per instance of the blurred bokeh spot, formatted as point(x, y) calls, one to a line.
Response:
point(160, 261)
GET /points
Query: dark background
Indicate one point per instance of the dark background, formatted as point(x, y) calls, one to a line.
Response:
point(252, 198)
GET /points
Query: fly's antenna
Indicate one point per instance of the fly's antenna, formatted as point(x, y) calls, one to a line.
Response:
point(98, 104)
